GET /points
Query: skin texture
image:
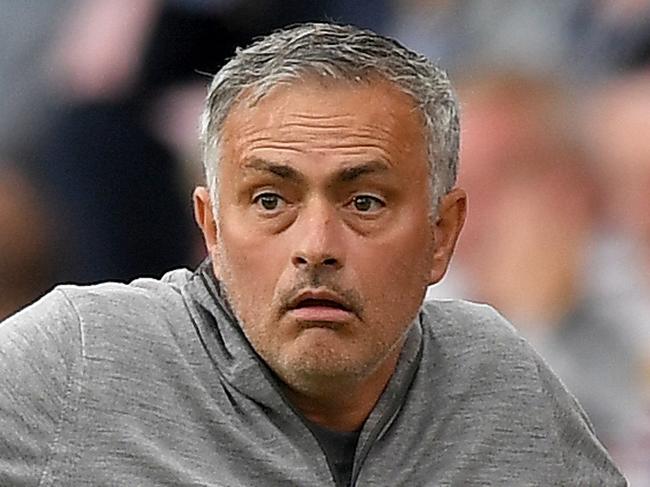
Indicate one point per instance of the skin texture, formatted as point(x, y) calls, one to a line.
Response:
point(324, 189)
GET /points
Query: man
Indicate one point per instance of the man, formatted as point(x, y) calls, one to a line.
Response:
point(301, 352)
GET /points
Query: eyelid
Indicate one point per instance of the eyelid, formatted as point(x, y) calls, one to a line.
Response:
point(265, 192)
point(372, 196)
point(266, 189)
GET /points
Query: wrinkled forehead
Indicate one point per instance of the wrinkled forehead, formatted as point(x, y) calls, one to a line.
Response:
point(376, 108)
point(373, 100)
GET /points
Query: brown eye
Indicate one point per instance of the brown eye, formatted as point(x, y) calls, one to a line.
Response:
point(268, 201)
point(365, 203)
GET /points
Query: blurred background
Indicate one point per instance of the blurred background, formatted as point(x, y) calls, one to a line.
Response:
point(99, 101)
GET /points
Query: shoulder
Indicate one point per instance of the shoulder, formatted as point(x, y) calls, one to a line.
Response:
point(73, 339)
point(70, 318)
point(115, 319)
point(141, 297)
point(488, 379)
point(44, 336)
point(40, 350)
point(470, 329)
point(476, 352)
point(475, 347)
point(465, 314)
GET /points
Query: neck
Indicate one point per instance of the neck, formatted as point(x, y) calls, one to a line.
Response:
point(342, 405)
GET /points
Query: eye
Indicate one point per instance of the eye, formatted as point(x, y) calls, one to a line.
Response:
point(366, 203)
point(268, 201)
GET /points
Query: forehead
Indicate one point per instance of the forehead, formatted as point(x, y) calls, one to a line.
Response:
point(328, 116)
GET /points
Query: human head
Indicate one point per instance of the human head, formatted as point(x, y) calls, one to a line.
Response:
point(335, 52)
point(323, 239)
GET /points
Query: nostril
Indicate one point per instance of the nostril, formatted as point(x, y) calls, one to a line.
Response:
point(306, 261)
point(299, 260)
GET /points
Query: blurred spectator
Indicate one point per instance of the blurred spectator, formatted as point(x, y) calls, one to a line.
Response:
point(100, 47)
point(528, 34)
point(582, 39)
point(108, 159)
point(529, 239)
point(27, 29)
point(617, 126)
point(26, 241)
point(606, 36)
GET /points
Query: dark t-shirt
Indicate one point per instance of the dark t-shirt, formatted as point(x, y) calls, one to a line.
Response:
point(339, 447)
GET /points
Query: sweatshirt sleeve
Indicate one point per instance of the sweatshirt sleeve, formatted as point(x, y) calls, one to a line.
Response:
point(40, 349)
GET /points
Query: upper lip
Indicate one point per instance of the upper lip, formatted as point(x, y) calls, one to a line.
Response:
point(322, 297)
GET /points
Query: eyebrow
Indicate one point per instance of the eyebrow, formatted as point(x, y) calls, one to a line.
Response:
point(351, 173)
point(345, 175)
point(281, 170)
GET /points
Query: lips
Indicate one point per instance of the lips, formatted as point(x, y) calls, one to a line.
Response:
point(320, 306)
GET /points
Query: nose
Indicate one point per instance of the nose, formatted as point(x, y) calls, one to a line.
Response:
point(318, 239)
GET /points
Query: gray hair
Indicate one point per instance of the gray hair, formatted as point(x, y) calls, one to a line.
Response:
point(338, 52)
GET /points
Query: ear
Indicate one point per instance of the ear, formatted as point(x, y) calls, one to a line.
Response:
point(446, 229)
point(204, 216)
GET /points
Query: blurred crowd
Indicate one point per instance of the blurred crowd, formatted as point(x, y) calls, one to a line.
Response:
point(99, 104)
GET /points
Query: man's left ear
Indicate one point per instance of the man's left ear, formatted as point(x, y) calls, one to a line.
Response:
point(446, 228)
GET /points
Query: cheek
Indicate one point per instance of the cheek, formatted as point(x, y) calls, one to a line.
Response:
point(401, 286)
point(251, 267)
point(395, 272)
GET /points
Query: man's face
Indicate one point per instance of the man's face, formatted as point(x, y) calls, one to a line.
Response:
point(324, 241)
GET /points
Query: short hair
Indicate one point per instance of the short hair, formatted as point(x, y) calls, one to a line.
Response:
point(336, 52)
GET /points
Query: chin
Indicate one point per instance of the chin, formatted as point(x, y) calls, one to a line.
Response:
point(320, 366)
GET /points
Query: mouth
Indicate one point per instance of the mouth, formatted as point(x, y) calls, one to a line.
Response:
point(320, 306)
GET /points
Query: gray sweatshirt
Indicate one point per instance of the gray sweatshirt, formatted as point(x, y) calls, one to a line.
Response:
point(153, 383)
